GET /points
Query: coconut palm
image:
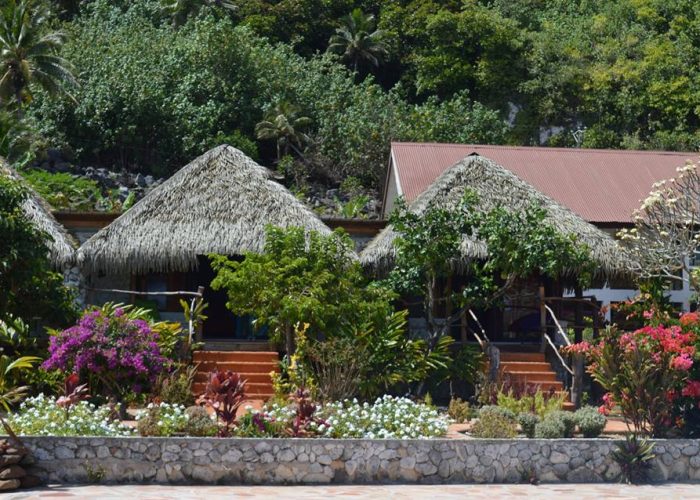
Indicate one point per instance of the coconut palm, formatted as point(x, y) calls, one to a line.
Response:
point(29, 54)
point(357, 40)
point(284, 125)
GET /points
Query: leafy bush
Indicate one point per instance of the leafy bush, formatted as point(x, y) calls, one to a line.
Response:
point(528, 422)
point(494, 426)
point(530, 400)
point(387, 418)
point(162, 420)
point(41, 416)
point(645, 373)
point(200, 423)
point(114, 353)
point(64, 191)
point(259, 424)
point(567, 419)
point(550, 428)
point(176, 387)
point(590, 421)
point(492, 410)
point(459, 410)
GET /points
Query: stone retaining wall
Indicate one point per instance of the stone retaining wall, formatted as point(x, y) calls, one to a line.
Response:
point(302, 461)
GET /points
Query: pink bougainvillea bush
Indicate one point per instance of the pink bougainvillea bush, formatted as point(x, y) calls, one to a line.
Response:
point(645, 373)
point(115, 353)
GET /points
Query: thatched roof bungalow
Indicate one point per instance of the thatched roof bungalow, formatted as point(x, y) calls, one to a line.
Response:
point(62, 246)
point(497, 186)
point(219, 203)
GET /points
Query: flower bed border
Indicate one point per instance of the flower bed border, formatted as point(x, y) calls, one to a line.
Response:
point(179, 460)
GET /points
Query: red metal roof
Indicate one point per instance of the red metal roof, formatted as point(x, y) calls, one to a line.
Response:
point(600, 185)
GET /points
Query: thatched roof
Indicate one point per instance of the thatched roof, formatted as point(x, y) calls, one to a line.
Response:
point(219, 203)
point(61, 245)
point(496, 186)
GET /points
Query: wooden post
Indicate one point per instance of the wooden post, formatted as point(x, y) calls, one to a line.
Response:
point(578, 315)
point(543, 317)
point(577, 382)
point(199, 332)
point(494, 356)
point(463, 326)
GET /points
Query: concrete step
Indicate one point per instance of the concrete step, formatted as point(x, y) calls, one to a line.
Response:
point(531, 375)
point(525, 366)
point(262, 377)
point(238, 366)
point(523, 357)
point(233, 356)
point(251, 389)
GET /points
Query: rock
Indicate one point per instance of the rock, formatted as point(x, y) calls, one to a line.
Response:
point(407, 463)
point(30, 481)
point(286, 456)
point(149, 180)
point(9, 460)
point(9, 484)
point(62, 452)
point(558, 458)
point(12, 472)
point(140, 180)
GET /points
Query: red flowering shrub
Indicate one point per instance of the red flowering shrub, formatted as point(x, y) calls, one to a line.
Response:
point(645, 373)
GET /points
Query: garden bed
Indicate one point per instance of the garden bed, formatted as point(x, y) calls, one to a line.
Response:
point(308, 461)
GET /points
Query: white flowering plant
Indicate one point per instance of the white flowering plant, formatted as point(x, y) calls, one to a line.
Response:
point(162, 419)
point(41, 416)
point(388, 417)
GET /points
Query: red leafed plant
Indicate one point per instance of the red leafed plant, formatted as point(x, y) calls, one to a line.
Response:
point(305, 411)
point(73, 392)
point(225, 393)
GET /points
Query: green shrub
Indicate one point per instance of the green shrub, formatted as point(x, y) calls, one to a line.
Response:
point(161, 420)
point(539, 403)
point(200, 423)
point(499, 411)
point(567, 418)
point(550, 428)
point(494, 425)
point(459, 410)
point(528, 422)
point(64, 191)
point(590, 421)
point(176, 388)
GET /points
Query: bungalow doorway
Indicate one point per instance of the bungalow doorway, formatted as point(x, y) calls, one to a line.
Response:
point(221, 323)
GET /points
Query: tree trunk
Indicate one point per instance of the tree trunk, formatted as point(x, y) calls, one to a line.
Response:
point(289, 339)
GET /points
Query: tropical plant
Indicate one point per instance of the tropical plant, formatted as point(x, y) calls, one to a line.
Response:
point(10, 393)
point(162, 420)
point(634, 456)
point(200, 423)
point(114, 353)
point(550, 428)
point(530, 400)
point(259, 424)
point(175, 387)
point(29, 54)
point(495, 423)
point(284, 125)
point(30, 287)
point(644, 372)
point(357, 40)
point(73, 392)
point(224, 393)
point(337, 365)
point(305, 422)
point(528, 423)
point(301, 278)
point(64, 191)
point(459, 410)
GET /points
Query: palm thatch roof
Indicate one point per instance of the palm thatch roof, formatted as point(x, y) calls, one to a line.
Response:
point(219, 203)
point(61, 245)
point(496, 186)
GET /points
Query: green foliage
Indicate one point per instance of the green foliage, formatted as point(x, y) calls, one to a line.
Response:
point(64, 191)
point(459, 410)
point(528, 422)
point(550, 428)
point(495, 423)
point(29, 54)
point(10, 391)
point(161, 420)
point(538, 403)
point(357, 40)
point(30, 287)
point(634, 456)
point(567, 418)
point(590, 421)
point(299, 279)
point(175, 388)
point(200, 423)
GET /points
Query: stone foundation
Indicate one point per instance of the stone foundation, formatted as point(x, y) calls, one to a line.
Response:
point(308, 461)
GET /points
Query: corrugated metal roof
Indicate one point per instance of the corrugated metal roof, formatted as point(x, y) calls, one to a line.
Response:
point(600, 185)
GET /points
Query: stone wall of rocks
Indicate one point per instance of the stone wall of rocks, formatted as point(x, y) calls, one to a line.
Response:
point(299, 461)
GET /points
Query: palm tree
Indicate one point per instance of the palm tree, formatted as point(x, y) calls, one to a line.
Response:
point(357, 40)
point(29, 54)
point(284, 125)
point(180, 10)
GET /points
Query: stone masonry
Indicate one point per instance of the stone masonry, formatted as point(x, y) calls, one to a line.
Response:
point(309, 461)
